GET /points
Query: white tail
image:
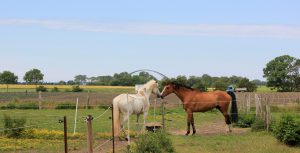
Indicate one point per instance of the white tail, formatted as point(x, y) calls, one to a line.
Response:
point(116, 118)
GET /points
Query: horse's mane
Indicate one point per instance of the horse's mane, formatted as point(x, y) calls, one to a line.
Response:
point(148, 84)
point(178, 85)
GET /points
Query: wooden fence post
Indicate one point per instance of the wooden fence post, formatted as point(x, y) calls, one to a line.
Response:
point(65, 133)
point(112, 126)
point(163, 114)
point(89, 133)
point(88, 100)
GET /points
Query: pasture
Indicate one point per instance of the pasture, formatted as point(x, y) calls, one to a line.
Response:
point(210, 137)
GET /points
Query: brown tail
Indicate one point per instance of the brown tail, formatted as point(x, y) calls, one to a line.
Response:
point(116, 118)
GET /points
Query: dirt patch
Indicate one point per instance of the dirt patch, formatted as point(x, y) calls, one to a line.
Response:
point(217, 127)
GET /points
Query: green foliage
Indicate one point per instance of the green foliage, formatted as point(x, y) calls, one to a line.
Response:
point(11, 106)
point(154, 142)
point(7, 77)
point(287, 130)
point(282, 73)
point(76, 89)
point(28, 106)
point(66, 106)
point(221, 86)
point(55, 89)
point(13, 126)
point(246, 120)
point(258, 125)
point(80, 79)
point(41, 88)
point(245, 83)
point(33, 76)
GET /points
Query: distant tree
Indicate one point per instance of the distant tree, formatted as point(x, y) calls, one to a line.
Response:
point(207, 80)
point(122, 79)
point(220, 85)
point(245, 83)
point(33, 76)
point(61, 82)
point(282, 73)
point(7, 77)
point(80, 79)
point(71, 82)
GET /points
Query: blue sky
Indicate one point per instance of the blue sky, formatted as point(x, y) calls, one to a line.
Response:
point(219, 38)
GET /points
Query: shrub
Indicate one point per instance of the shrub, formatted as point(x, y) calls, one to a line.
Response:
point(41, 88)
point(157, 142)
point(287, 130)
point(246, 120)
point(76, 89)
point(13, 125)
point(258, 125)
point(10, 106)
point(29, 106)
point(55, 89)
point(66, 106)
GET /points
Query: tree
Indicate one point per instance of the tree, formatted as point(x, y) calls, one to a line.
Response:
point(282, 73)
point(70, 82)
point(245, 83)
point(80, 79)
point(61, 82)
point(7, 77)
point(33, 76)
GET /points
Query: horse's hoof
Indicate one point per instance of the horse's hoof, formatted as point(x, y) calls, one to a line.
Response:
point(194, 132)
point(187, 133)
point(126, 139)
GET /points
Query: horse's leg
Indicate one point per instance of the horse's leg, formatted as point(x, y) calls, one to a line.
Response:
point(144, 120)
point(193, 126)
point(137, 124)
point(189, 119)
point(125, 119)
point(227, 118)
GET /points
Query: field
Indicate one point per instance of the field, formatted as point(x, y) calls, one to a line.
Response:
point(210, 137)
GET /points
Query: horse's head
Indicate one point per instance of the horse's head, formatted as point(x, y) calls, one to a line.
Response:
point(155, 90)
point(168, 89)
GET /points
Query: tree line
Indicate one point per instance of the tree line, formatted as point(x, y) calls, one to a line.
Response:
point(281, 73)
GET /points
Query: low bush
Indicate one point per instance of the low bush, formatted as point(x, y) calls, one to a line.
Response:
point(41, 88)
point(28, 106)
point(13, 126)
point(66, 106)
point(76, 89)
point(246, 120)
point(157, 142)
point(9, 106)
point(55, 89)
point(258, 125)
point(287, 130)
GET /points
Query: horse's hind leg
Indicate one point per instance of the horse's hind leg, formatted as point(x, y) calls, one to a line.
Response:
point(226, 116)
point(189, 120)
point(193, 126)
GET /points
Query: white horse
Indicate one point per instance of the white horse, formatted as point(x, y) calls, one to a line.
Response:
point(128, 104)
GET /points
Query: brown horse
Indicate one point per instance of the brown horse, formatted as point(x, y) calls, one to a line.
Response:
point(196, 101)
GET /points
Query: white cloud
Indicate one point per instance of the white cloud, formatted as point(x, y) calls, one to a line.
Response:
point(227, 30)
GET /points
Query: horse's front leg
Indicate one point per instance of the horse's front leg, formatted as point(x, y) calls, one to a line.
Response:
point(189, 120)
point(144, 120)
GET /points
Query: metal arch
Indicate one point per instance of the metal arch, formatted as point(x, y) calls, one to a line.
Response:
point(145, 70)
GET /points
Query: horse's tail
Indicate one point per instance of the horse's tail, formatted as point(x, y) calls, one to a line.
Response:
point(116, 118)
point(234, 108)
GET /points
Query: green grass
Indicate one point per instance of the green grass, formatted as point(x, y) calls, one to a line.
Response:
point(264, 89)
point(110, 90)
point(249, 142)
